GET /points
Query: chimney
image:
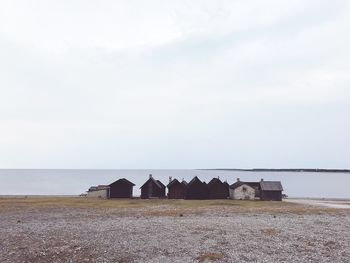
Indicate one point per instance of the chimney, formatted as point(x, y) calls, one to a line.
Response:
point(262, 180)
point(150, 175)
point(238, 180)
point(170, 179)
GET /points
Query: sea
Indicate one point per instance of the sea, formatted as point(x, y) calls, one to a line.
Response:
point(77, 181)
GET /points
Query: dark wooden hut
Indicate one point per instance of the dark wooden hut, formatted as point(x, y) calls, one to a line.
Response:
point(217, 189)
point(176, 190)
point(152, 189)
point(196, 189)
point(121, 188)
point(271, 190)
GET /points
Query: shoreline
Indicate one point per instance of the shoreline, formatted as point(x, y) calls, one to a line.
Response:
point(302, 200)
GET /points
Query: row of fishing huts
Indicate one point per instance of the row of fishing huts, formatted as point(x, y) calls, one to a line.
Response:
point(195, 189)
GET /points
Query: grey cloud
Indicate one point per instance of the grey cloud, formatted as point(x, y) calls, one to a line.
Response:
point(264, 95)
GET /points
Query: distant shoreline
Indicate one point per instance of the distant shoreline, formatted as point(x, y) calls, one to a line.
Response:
point(284, 170)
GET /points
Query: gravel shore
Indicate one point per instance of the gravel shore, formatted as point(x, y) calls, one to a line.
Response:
point(162, 233)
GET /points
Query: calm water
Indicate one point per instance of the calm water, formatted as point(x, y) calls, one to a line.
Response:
point(71, 182)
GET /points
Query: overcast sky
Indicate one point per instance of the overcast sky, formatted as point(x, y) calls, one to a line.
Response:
point(174, 84)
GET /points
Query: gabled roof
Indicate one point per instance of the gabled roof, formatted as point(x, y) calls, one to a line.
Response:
point(92, 188)
point(255, 185)
point(173, 182)
point(156, 182)
point(195, 179)
point(235, 185)
point(98, 188)
point(239, 183)
point(124, 181)
point(184, 182)
point(102, 186)
point(161, 184)
point(214, 180)
point(271, 186)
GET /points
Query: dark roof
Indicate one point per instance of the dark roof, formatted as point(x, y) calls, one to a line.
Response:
point(124, 181)
point(161, 184)
point(271, 186)
point(175, 181)
point(194, 180)
point(239, 183)
point(214, 180)
point(156, 182)
point(98, 188)
point(92, 188)
point(184, 182)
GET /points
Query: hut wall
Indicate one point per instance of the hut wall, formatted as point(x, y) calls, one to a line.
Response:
point(271, 195)
point(256, 187)
point(176, 191)
point(99, 194)
point(217, 190)
point(243, 192)
point(144, 193)
point(197, 190)
point(146, 190)
point(227, 190)
point(160, 192)
point(120, 190)
point(152, 190)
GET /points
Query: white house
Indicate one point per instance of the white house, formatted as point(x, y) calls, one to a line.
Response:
point(242, 191)
point(101, 191)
